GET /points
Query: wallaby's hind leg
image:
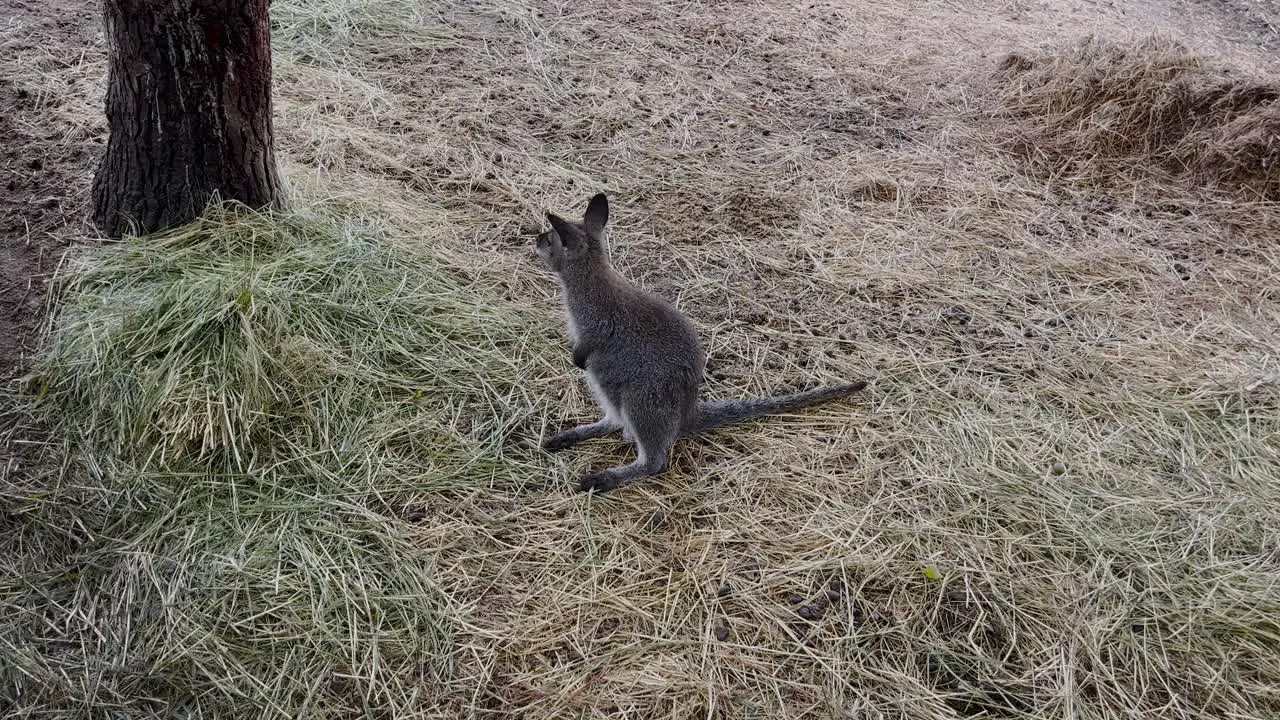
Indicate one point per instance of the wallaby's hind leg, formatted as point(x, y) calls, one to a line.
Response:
point(655, 431)
point(573, 436)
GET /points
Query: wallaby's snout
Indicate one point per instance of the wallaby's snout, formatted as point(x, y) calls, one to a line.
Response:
point(542, 248)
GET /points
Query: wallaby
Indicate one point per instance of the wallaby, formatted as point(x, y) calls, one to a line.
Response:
point(641, 355)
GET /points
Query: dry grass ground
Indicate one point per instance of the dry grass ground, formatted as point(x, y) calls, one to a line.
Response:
point(1059, 498)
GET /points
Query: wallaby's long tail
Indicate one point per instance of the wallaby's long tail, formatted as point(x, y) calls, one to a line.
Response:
point(715, 413)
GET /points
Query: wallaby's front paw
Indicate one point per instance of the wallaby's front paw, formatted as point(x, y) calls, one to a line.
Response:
point(560, 442)
point(599, 482)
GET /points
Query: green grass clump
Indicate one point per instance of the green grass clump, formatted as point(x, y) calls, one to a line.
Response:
point(245, 403)
point(246, 341)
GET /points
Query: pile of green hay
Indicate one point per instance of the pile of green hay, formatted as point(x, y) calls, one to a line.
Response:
point(241, 407)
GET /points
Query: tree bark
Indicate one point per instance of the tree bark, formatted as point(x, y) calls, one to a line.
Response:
point(188, 112)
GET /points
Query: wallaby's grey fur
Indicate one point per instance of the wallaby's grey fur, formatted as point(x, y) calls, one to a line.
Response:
point(641, 356)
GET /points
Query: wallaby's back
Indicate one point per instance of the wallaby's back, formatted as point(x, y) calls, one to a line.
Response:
point(642, 348)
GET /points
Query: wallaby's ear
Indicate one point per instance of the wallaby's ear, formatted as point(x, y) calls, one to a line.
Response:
point(562, 228)
point(597, 214)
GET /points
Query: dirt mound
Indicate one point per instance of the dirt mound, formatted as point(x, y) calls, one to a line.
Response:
point(1103, 107)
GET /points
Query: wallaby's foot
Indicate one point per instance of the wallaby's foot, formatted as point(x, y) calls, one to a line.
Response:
point(647, 465)
point(560, 442)
point(600, 482)
point(614, 478)
point(573, 436)
point(655, 430)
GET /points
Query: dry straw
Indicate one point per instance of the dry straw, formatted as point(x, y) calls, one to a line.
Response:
point(1059, 498)
point(1106, 106)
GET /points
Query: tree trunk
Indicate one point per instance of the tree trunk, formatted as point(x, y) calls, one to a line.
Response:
point(188, 112)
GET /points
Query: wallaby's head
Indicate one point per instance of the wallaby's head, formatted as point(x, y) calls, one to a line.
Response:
point(570, 244)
